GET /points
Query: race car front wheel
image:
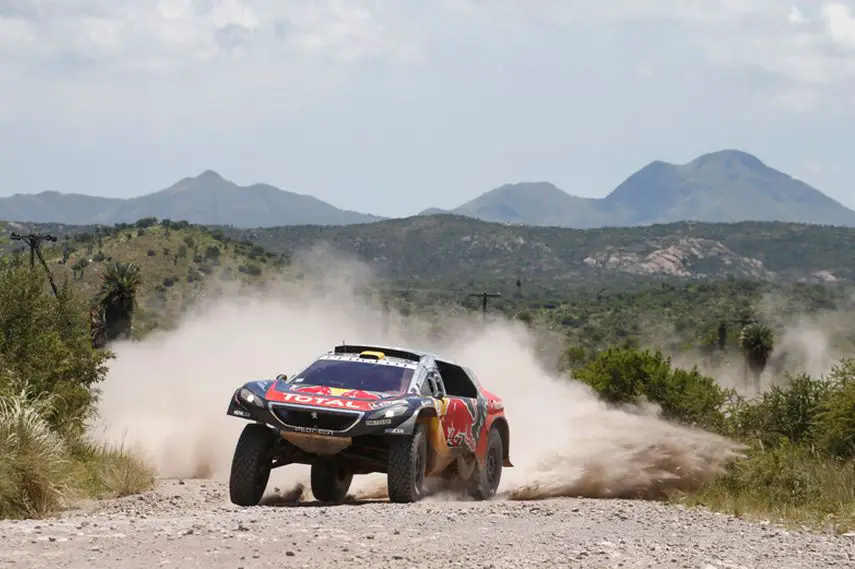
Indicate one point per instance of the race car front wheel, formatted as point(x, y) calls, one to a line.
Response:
point(407, 464)
point(251, 465)
point(330, 481)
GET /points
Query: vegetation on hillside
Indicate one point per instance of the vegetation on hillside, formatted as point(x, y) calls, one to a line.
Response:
point(448, 251)
point(165, 265)
point(443, 249)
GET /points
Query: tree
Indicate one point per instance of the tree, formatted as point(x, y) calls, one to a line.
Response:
point(117, 298)
point(756, 342)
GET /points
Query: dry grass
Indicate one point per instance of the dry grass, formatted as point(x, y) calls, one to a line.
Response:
point(792, 486)
point(41, 474)
point(34, 463)
point(106, 471)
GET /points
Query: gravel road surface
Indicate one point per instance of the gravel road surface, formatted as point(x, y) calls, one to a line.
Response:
point(191, 524)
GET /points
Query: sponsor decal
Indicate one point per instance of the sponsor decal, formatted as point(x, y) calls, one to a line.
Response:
point(312, 430)
point(357, 394)
point(382, 404)
point(240, 413)
point(375, 422)
point(496, 405)
point(395, 431)
point(320, 401)
point(315, 390)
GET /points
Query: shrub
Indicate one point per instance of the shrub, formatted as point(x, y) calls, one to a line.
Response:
point(627, 375)
point(785, 413)
point(835, 430)
point(46, 342)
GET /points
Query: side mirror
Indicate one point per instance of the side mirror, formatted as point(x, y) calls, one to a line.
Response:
point(281, 377)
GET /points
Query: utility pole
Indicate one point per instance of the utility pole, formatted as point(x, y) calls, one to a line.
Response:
point(484, 296)
point(34, 241)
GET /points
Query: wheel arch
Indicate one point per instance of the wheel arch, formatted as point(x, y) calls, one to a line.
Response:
point(427, 413)
point(501, 424)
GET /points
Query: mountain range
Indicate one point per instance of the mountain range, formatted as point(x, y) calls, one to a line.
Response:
point(719, 187)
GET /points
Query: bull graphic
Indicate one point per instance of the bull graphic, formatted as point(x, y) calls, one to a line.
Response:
point(464, 420)
point(314, 389)
point(480, 420)
point(359, 394)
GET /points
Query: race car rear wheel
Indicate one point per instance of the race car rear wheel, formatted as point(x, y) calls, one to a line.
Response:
point(485, 481)
point(251, 464)
point(407, 465)
point(330, 481)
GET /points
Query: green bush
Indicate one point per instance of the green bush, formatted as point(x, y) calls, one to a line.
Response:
point(45, 342)
point(786, 413)
point(836, 416)
point(626, 375)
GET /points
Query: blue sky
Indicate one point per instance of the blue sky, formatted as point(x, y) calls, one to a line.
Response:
point(392, 106)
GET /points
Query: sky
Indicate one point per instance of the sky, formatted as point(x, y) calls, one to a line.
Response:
point(394, 106)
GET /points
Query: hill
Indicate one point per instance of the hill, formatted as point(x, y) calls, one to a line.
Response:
point(204, 199)
point(462, 249)
point(446, 248)
point(180, 263)
point(726, 186)
point(541, 203)
point(720, 187)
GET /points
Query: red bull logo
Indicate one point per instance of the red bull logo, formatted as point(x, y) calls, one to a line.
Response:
point(458, 424)
point(315, 389)
point(359, 394)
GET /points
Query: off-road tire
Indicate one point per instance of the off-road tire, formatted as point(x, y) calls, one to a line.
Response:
point(251, 463)
point(405, 478)
point(330, 481)
point(485, 481)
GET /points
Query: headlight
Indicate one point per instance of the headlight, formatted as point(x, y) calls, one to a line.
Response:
point(250, 397)
point(389, 412)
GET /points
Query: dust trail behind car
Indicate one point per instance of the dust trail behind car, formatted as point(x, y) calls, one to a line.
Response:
point(167, 395)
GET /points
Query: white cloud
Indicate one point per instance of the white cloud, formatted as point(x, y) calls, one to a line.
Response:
point(290, 53)
point(166, 36)
point(796, 16)
point(840, 23)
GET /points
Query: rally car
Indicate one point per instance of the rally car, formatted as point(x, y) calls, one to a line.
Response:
point(360, 409)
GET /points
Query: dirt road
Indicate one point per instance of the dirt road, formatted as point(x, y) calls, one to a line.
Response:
point(191, 524)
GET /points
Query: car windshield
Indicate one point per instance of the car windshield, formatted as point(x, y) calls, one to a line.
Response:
point(363, 376)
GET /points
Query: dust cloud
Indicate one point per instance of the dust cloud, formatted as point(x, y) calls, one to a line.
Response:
point(167, 396)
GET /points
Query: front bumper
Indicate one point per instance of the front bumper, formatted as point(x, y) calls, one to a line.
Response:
point(307, 419)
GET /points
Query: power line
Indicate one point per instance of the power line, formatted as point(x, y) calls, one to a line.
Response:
point(484, 296)
point(34, 241)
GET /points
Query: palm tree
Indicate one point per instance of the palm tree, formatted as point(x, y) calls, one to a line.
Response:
point(117, 298)
point(756, 342)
